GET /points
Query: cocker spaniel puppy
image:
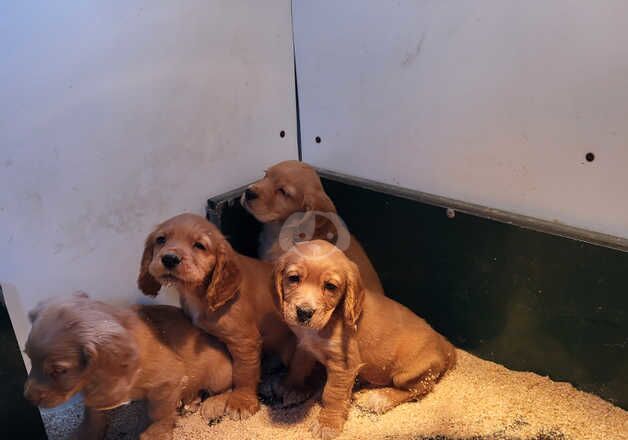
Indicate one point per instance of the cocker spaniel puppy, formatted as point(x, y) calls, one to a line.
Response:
point(290, 188)
point(356, 333)
point(115, 355)
point(229, 295)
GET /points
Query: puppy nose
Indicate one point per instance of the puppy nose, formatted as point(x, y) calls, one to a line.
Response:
point(249, 194)
point(170, 261)
point(304, 314)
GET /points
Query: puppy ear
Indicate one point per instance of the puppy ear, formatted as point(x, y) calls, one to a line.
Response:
point(226, 277)
point(318, 201)
point(111, 354)
point(145, 281)
point(278, 268)
point(354, 296)
point(89, 352)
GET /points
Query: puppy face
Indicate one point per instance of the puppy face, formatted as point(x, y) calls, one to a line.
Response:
point(286, 188)
point(189, 252)
point(73, 342)
point(58, 367)
point(312, 280)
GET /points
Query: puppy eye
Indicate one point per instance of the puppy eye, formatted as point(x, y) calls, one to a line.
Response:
point(294, 278)
point(58, 372)
point(200, 246)
point(160, 240)
point(283, 192)
point(331, 287)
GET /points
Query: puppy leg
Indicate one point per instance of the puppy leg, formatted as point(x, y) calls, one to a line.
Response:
point(242, 401)
point(380, 400)
point(93, 426)
point(335, 402)
point(409, 385)
point(162, 410)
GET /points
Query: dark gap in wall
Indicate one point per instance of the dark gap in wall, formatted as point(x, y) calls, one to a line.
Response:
point(296, 87)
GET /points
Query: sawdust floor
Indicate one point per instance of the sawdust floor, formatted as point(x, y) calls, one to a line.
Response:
point(477, 400)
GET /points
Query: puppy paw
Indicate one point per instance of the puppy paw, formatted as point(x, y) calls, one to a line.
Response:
point(326, 427)
point(214, 408)
point(241, 404)
point(375, 401)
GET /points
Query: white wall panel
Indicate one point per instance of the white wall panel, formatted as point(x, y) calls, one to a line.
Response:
point(494, 102)
point(116, 115)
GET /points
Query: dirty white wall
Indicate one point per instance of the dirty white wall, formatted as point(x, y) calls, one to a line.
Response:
point(494, 102)
point(116, 115)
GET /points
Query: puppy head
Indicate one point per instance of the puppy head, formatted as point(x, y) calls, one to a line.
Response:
point(286, 188)
point(189, 253)
point(312, 280)
point(71, 339)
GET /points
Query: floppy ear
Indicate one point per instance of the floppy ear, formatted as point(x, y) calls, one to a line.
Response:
point(112, 357)
point(145, 281)
point(318, 201)
point(278, 280)
point(114, 348)
point(226, 277)
point(354, 296)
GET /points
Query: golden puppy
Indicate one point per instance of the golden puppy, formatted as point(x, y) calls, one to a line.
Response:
point(227, 294)
point(292, 187)
point(115, 355)
point(354, 332)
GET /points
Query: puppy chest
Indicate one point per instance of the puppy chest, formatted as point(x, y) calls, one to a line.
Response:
point(311, 342)
point(193, 307)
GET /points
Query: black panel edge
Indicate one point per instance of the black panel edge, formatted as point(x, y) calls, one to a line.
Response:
point(523, 221)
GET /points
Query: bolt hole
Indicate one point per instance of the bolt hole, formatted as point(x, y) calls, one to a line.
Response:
point(590, 157)
point(282, 134)
point(317, 139)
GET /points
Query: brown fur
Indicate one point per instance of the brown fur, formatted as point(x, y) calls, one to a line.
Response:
point(115, 355)
point(354, 332)
point(227, 294)
point(290, 187)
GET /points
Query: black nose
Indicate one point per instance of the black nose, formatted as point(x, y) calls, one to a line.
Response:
point(170, 261)
point(304, 314)
point(249, 194)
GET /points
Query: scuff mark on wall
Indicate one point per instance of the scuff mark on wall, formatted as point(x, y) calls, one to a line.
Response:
point(413, 55)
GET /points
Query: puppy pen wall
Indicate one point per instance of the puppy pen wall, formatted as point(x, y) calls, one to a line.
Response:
point(510, 114)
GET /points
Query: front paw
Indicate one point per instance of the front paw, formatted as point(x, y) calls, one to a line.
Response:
point(327, 427)
point(214, 408)
point(241, 404)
